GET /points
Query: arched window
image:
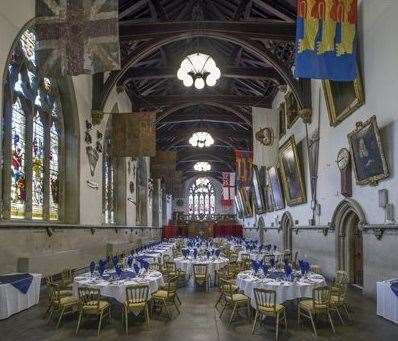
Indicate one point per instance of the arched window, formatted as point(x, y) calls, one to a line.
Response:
point(201, 199)
point(33, 139)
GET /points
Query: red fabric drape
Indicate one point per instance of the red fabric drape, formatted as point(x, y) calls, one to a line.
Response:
point(229, 230)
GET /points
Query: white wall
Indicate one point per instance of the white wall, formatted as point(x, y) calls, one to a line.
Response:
point(379, 67)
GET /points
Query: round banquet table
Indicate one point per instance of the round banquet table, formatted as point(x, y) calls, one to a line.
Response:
point(156, 253)
point(117, 289)
point(214, 264)
point(285, 291)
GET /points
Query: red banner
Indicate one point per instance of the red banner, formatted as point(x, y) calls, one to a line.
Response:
point(228, 189)
point(244, 162)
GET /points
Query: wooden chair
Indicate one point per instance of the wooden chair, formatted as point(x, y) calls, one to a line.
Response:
point(92, 305)
point(266, 306)
point(137, 298)
point(318, 305)
point(201, 275)
point(60, 303)
point(167, 297)
point(224, 278)
point(233, 299)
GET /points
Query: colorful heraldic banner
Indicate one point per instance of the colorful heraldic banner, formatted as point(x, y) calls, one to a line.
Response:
point(244, 162)
point(163, 163)
point(77, 37)
point(228, 187)
point(326, 40)
point(134, 134)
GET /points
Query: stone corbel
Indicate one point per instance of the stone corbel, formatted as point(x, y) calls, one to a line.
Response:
point(49, 231)
point(379, 229)
point(92, 230)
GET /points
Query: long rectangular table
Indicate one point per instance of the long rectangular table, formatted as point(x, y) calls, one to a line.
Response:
point(18, 293)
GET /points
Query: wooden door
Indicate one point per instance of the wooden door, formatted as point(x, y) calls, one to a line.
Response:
point(357, 254)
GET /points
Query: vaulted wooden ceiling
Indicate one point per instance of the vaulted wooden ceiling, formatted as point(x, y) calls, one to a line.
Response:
point(246, 81)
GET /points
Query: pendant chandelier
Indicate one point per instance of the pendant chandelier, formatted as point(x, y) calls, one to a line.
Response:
point(199, 69)
point(202, 166)
point(201, 139)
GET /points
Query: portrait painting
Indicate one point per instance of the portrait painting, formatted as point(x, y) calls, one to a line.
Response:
point(342, 99)
point(293, 182)
point(370, 164)
point(258, 192)
point(291, 109)
point(276, 190)
point(267, 193)
point(239, 205)
point(246, 201)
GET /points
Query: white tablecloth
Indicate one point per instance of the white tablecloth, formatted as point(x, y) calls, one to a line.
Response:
point(285, 291)
point(117, 289)
point(255, 255)
point(214, 265)
point(13, 301)
point(158, 252)
point(387, 301)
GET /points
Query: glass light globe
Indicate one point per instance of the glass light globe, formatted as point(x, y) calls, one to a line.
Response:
point(186, 65)
point(187, 81)
point(199, 83)
point(181, 74)
point(210, 65)
point(217, 73)
point(211, 80)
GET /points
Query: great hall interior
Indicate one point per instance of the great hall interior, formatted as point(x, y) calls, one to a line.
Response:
point(200, 169)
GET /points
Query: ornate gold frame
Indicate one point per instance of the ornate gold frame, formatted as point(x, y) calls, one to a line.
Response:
point(291, 144)
point(336, 118)
point(374, 180)
point(291, 103)
point(246, 201)
point(256, 178)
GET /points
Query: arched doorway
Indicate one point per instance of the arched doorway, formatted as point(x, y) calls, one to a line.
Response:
point(347, 218)
point(287, 224)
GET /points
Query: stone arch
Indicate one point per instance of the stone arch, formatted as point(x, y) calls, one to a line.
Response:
point(287, 223)
point(347, 219)
point(255, 48)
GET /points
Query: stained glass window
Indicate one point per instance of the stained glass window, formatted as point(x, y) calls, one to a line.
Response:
point(201, 201)
point(32, 138)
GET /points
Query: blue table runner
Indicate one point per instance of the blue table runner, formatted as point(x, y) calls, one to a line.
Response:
point(21, 282)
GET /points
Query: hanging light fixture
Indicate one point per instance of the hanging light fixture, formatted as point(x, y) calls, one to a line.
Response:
point(201, 139)
point(198, 69)
point(202, 166)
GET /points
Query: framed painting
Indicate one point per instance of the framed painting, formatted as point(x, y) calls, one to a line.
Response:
point(282, 120)
point(267, 193)
point(239, 205)
point(291, 110)
point(259, 203)
point(370, 164)
point(293, 182)
point(276, 188)
point(246, 201)
point(342, 99)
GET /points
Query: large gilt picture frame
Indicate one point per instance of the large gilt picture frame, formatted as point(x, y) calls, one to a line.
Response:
point(246, 201)
point(259, 200)
point(370, 164)
point(342, 99)
point(276, 188)
point(292, 179)
point(291, 110)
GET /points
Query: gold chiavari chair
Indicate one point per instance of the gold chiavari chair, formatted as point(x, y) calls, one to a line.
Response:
point(338, 300)
point(155, 266)
point(233, 299)
point(137, 298)
point(92, 305)
point(167, 296)
point(318, 305)
point(201, 275)
point(59, 303)
point(224, 277)
point(266, 306)
point(67, 278)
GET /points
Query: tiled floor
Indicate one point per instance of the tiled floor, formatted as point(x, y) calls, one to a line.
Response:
point(200, 321)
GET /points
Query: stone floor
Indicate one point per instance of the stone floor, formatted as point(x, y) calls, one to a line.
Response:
point(200, 321)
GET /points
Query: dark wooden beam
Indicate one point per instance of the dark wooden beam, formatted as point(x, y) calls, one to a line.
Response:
point(261, 30)
point(262, 73)
point(277, 10)
point(173, 100)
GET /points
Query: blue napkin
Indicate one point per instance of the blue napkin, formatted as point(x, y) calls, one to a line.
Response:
point(288, 270)
point(92, 267)
point(115, 260)
point(272, 262)
point(195, 253)
point(20, 282)
point(394, 287)
point(145, 265)
point(136, 268)
point(217, 253)
point(129, 261)
point(118, 271)
point(265, 269)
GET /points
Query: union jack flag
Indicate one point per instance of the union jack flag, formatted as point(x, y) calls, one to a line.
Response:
point(77, 36)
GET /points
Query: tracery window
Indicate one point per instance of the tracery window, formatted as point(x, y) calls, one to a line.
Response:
point(201, 200)
point(33, 133)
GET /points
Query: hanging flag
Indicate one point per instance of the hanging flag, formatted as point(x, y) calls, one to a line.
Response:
point(77, 37)
point(134, 134)
point(163, 163)
point(244, 162)
point(228, 189)
point(326, 40)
